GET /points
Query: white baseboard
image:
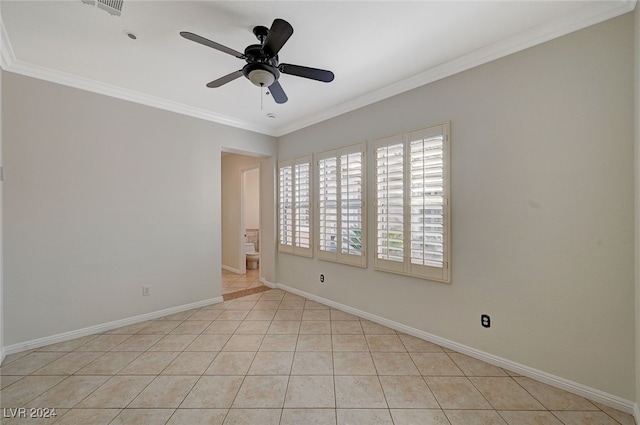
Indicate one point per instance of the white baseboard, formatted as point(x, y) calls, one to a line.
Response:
point(1, 354)
point(231, 269)
point(67, 336)
point(544, 377)
point(636, 413)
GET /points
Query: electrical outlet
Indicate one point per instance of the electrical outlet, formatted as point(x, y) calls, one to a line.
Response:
point(485, 321)
point(146, 290)
point(321, 278)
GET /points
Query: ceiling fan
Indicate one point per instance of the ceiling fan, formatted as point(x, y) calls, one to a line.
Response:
point(263, 68)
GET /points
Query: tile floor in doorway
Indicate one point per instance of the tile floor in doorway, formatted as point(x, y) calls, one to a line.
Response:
point(232, 282)
point(275, 358)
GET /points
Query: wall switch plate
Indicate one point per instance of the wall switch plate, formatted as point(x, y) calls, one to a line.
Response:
point(146, 290)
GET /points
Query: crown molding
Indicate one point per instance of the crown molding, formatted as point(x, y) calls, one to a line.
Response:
point(110, 90)
point(9, 62)
point(598, 12)
point(7, 55)
point(592, 15)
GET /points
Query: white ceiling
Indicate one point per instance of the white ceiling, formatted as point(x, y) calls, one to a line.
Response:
point(376, 49)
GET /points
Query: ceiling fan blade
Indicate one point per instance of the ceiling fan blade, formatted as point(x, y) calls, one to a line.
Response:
point(279, 33)
point(198, 39)
point(278, 94)
point(224, 80)
point(306, 72)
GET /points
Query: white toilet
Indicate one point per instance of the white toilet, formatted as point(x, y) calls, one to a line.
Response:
point(252, 256)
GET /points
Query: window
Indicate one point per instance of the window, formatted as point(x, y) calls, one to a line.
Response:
point(341, 206)
point(412, 204)
point(294, 207)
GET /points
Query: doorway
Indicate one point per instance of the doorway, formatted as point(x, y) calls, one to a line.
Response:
point(241, 223)
point(250, 219)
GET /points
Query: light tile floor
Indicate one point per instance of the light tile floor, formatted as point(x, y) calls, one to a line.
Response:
point(275, 358)
point(232, 282)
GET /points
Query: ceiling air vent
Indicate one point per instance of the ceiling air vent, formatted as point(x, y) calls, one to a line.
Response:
point(114, 7)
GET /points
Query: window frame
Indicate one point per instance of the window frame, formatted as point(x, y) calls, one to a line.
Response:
point(406, 266)
point(295, 247)
point(339, 256)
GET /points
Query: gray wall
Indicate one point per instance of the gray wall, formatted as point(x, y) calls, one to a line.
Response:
point(542, 209)
point(103, 196)
point(637, 205)
point(1, 240)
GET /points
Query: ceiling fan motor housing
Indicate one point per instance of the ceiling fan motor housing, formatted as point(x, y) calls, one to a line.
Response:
point(260, 69)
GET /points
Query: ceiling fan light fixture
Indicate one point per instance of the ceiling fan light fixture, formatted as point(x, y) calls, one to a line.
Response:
point(260, 74)
point(261, 78)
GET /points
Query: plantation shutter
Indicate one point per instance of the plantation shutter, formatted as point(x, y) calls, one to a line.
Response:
point(428, 202)
point(302, 190)
point(328, 206)
point(341, 207)
point(295, 207)
point(285, 210)
point(412, 203)
point(352, 206)
point(390, 204)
